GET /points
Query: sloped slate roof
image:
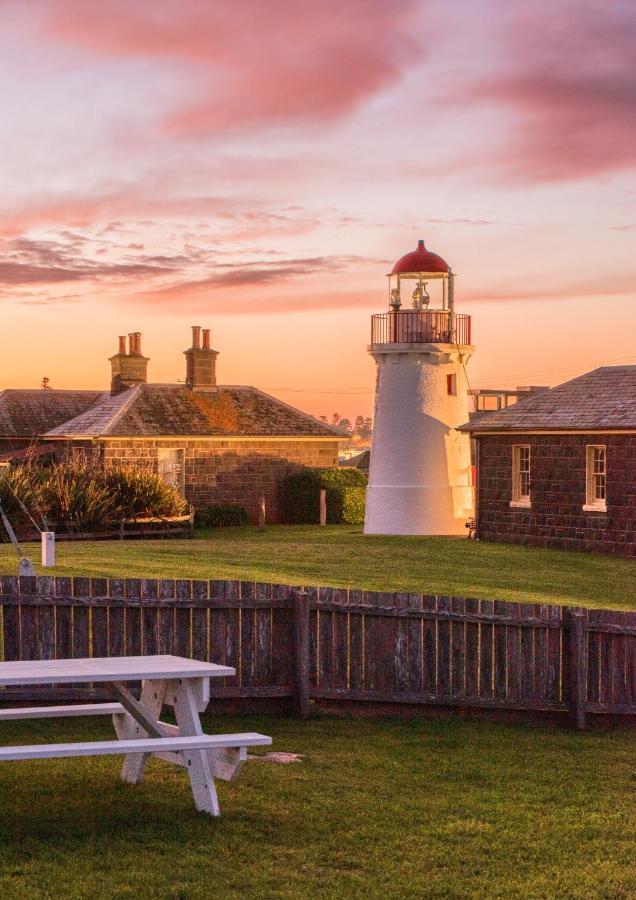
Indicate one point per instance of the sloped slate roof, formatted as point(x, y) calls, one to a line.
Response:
point(602, 399)
point(153, 410)
point(29, 413)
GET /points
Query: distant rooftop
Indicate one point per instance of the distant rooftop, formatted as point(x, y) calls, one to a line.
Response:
point(602, 399)
point(31, 412)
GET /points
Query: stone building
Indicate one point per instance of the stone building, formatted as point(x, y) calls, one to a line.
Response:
point(559, 469)
point(216, 443)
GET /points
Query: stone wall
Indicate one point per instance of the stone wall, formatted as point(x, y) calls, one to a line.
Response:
point(229, 471)
point(558, 491)
point(11, 445)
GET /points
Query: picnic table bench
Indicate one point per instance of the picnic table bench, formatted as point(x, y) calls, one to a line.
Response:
point(174, 681)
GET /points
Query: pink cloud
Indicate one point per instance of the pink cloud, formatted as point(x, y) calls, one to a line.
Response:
point(241, 217)
point(204, 297)
point(569, 87)
point(252, 63)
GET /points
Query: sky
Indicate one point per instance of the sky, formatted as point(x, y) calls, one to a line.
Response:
point(257, 167)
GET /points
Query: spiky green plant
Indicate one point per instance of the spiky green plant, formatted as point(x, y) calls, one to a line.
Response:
point(76, 494)
point(22, 488)
point(139, 493)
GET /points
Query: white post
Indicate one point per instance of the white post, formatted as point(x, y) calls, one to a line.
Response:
point(262, 514)
point(48, 549)
point(323, 506)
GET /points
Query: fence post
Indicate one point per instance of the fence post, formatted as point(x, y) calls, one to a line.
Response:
point(301, 652)
point(323, 506)
point(577, 656)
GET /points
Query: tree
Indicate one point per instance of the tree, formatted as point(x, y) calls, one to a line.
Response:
point(345, 424)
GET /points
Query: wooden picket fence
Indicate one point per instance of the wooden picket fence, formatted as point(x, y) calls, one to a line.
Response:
point(330, 647)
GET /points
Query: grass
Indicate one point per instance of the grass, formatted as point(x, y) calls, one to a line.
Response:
point(377, 808)
point(341, 556)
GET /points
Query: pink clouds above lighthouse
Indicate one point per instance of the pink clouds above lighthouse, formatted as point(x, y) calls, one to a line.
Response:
point(252, 160)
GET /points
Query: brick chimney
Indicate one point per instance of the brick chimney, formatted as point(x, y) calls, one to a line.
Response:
point(201, 361)
point(128, 367)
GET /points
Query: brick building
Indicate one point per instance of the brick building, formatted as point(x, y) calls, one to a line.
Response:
point(216, 443)
point(559, 469)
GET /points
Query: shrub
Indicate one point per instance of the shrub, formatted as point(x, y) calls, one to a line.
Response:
point(138, 493)
point(76, 495)
point(221, 515)
point(25, 482)
point(79, 496)
point(299, 496)
point(353, 505)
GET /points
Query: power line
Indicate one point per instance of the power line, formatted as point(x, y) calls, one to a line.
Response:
point(363, 392)
point(602, 362)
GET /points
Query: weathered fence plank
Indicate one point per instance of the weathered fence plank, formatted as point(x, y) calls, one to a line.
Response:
point(301, 652)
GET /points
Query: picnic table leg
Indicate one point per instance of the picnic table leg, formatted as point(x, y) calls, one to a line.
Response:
point(182, 696)
point(127, 727)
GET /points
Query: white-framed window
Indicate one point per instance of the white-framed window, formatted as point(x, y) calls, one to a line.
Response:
point(520, 475)
point(595, 477)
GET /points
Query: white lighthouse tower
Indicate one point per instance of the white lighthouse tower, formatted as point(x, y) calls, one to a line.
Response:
point(420, 476)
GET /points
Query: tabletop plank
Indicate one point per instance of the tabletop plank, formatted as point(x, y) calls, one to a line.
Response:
point(112, 668)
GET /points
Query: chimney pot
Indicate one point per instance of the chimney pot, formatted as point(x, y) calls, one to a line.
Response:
point(128, 368)
point(201, 361)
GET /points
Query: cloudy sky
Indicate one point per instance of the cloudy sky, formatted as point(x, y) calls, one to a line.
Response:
point(256, 167)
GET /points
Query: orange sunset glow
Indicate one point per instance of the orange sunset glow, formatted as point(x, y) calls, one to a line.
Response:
point(258, 167)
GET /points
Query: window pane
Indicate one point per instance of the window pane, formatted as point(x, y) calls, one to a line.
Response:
point(596, 475)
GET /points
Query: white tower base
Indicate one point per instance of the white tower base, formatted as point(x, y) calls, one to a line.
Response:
point(420, 477)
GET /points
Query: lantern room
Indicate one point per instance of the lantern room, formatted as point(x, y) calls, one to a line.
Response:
point(421, 303)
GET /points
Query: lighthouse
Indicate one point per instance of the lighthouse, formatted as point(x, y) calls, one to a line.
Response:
point(420, 476)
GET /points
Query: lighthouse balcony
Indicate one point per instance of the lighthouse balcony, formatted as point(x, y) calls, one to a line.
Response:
point(431, 326)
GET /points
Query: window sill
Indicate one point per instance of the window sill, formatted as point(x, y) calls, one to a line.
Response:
point(520, 504)
point(594, 508)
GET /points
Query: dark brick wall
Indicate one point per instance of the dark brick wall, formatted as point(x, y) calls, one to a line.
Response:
point(229, 471)
point(8, 445)
point(556, 517)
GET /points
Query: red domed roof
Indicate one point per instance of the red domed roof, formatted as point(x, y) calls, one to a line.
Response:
point(420, 260)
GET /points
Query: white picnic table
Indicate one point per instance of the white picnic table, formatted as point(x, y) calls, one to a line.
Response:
point(167, 680)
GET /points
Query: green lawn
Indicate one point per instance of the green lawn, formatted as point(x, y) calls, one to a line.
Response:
point(377, 808)
point(342, 556)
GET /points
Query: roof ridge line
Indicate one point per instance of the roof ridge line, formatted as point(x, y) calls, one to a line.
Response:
point(122, 409)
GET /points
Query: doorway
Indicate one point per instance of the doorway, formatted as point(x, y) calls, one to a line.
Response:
point(170, 467)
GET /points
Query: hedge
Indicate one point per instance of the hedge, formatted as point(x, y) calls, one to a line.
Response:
point(299, 496)
point(221, 515)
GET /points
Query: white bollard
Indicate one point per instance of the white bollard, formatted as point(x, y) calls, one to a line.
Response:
point(48, 549)
point(262, 514)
